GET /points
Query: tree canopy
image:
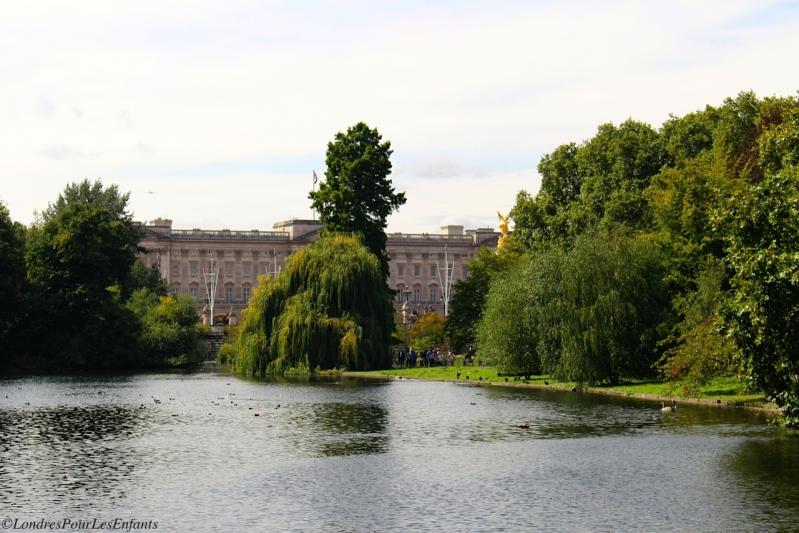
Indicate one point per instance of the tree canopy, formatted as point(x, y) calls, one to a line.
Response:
point(89, 303)
point(705, 205)
point(468, 296)
point(589, 315)
point(357, 195)
point(762, 312)
point(427, 331)
point(327, 309)
point(12, 278)
point(79, 256)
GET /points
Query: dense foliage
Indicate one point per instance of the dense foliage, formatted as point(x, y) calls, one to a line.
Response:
point(12, 280)
point(517, 332)
point(676, 245)
point(78, 257)
point(590, 315)
point(762, 311)
point(357, 196)
point(327, 309)
point(80, 272)
point(428, 331)
point(468, 296)
point(168, 328)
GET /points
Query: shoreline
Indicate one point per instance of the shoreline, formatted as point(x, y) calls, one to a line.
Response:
point(599, 391)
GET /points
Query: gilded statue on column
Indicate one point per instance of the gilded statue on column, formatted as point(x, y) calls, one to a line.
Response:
point(504, 231)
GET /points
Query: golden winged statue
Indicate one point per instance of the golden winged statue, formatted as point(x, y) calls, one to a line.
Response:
point(504, 231)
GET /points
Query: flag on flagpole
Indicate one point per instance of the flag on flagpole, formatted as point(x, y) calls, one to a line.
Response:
point(315, 178)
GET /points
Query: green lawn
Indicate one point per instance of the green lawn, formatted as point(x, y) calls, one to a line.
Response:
point(727, 389)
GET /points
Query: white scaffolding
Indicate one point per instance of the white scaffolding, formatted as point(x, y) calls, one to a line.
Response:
point(446, 283)
point(211, 278)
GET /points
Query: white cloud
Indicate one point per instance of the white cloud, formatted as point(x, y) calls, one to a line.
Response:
point(62, 151)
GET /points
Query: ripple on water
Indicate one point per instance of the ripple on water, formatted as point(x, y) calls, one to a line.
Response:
point(189, 451)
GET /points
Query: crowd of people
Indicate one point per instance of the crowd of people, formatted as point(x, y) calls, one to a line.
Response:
point(430, 357)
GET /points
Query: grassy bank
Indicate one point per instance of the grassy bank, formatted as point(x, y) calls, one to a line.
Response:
point(722, 391)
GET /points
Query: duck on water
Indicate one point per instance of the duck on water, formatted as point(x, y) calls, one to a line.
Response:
point(668, 408)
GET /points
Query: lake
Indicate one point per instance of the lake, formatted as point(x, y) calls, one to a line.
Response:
point(188, 452)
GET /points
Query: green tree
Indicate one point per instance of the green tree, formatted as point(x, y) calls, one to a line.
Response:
point(520, 329)
point(142, 277)
point(599, 183)
point(684, 138)
point(326, 309)
point(357, 195)
point(778, 146)
point(561, 176)
point(12, 281)
point(715, 154)
point(469, 294)
point(742, 122)
point(618, 163)
point(168, 334)
point(539, 221)
point(615, 309)
point(690, 192)
point(592, 314)
point(428, 331)
point(762, 314)
point(697, 350)
point(78, 257)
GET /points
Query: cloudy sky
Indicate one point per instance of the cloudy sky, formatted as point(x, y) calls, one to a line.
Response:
point(215, 114)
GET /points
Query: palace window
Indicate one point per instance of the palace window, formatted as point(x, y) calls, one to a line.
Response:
point(229, 269)
point(433, 271)
point(247, 268)
point(465, 271)
point(417, 295)
point(433, 294)
point(175, 269)
point(417, 270)
point(400, 270)
point(228, 295)
point(193, 293)
point(263, 269)
point(194, 268)
point(246, 290)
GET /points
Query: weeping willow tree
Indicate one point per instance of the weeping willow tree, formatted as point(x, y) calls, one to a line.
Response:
point(519, 331)
point(590, 315)
point(614, 309)
point(329, 308)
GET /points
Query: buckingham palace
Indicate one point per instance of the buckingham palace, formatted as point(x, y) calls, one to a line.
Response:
point(225, 264)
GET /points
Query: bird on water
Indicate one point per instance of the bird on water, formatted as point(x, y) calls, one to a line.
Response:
point(668, 408)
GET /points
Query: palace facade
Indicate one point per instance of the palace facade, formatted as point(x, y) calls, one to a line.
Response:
point(190, 261)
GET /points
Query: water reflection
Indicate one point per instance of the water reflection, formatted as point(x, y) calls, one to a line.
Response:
point(337, 429)
point(218, 453)
point(66, 454)
point(577, 415)
point(767, 470)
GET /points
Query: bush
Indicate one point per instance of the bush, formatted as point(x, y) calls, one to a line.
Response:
point(168, 328)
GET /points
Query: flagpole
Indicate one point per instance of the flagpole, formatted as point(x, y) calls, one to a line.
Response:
point(313, 211)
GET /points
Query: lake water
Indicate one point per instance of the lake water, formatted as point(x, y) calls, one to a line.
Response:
point(351, 455)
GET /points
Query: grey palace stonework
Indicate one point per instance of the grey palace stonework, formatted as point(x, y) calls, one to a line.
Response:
point(186, 258)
